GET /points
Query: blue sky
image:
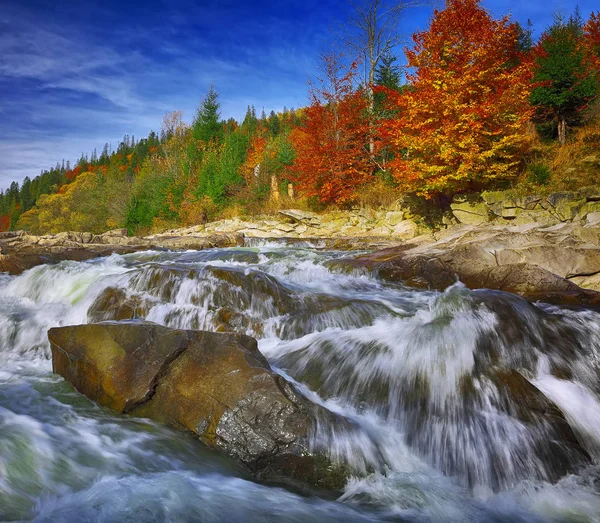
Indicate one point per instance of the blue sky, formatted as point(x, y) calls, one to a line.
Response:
point(75, 74)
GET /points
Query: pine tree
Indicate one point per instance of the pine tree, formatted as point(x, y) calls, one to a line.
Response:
point(250, 122)
point(274, 124)
point(525, 36)
point(26, 197)
point(388, 73)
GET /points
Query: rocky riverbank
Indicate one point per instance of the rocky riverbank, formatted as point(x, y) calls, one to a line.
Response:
point(557, 264)
point(542, 248)
point(20, 251)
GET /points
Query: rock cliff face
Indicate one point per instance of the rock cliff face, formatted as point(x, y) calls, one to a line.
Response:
point(215, 385)
point(503, 208)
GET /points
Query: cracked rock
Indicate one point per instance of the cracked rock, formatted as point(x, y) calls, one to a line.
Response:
point(215, 385)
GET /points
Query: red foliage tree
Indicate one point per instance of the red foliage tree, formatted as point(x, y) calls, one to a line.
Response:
point(73, 173)
point(332, 157)
point(591, 35)
point(460, 124)
point(4, 222)
point(255, 152)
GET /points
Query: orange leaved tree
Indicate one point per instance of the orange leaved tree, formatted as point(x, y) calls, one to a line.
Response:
point(591, 35)
point(460, 124)
point(332, 155)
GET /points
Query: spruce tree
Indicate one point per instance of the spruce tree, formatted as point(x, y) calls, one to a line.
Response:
point(207, 126)
point(26, 197)
point(388, 73)
point(525, 36)
point(274, 123)
point(564, 76)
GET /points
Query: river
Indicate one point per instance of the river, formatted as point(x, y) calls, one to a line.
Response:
point(422, 374)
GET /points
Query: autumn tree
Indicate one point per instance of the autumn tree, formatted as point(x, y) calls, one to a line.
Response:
point(267, 156)
point(332, 156)
point(565, 76)
point(461, 121)
point(250, 169)
point(114, 195)
point(75, 207)
point(591, 36)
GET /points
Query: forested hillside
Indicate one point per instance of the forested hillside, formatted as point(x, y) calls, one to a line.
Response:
point(480, 105)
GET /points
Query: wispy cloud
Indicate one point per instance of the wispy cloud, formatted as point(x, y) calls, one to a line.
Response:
point(74, 75)
point(67, 87)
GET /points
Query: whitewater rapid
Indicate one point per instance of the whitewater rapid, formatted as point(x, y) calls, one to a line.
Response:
point(438, 438)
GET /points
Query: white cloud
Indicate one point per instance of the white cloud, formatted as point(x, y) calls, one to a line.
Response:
point(77, 89)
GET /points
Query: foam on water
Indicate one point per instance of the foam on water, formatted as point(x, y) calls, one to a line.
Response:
point(431, 435)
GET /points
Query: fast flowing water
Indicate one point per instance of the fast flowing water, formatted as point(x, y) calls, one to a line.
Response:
point(469, 405)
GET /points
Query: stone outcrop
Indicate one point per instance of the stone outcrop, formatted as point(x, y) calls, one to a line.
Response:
point(503, 207)
point(216, 385)
point(539, 263)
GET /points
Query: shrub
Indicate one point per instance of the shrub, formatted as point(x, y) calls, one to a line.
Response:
point(538, 173)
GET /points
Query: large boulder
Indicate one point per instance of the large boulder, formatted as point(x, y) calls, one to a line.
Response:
point(215, 385)
point(305, 217)
point(197, 242)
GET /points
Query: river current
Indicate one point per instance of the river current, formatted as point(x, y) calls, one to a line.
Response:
point(422, 374)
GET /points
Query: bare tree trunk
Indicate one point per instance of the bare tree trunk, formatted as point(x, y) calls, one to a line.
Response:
point(374, 32)
point(562, 131)
point(371, 95)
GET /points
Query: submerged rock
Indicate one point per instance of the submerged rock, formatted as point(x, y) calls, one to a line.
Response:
point(216, 385)
point(115, 304)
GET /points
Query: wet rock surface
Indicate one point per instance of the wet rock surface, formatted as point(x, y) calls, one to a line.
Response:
point(20, 251)
point(460, 408)
point(115, 304)
point(215, 385)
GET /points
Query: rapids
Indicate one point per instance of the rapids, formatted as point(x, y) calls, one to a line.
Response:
point(470, 405)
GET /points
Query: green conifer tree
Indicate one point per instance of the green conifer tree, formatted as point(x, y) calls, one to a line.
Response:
point(564, 76)
point(207, 125)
